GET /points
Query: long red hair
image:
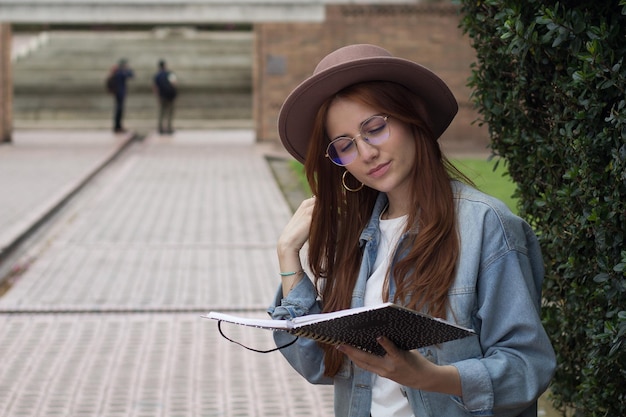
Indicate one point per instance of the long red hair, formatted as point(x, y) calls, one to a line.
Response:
point(425, 273)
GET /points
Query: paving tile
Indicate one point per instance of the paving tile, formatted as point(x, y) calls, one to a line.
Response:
point(163, 364)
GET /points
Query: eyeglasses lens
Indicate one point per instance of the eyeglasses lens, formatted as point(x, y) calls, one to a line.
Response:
point(342, 151)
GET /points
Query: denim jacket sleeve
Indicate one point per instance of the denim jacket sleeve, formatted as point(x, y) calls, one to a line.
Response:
point(305, 356)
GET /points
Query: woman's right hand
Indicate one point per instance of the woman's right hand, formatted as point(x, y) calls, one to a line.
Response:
point(291, 240)
point(296, 232)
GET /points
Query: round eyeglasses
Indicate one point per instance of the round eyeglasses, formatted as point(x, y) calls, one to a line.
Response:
point(343, 150)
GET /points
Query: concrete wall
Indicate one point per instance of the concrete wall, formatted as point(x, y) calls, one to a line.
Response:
point(160, 11)
point(6, 84)
point(286, 53)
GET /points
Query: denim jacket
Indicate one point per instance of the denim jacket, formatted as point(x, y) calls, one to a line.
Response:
point(496, 292)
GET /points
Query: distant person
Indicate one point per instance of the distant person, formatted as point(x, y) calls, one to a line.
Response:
point(166, 91)
point(116, 84)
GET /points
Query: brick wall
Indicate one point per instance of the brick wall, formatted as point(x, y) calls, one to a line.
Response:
point(286, 53)
point(6, 85)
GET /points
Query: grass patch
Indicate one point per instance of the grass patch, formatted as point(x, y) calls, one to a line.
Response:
point(496, 183)
point(298, 168)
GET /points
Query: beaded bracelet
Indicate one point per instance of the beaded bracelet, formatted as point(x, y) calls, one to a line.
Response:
point(289, 274)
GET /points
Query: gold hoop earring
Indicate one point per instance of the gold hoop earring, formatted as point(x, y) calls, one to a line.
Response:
point(343, 182)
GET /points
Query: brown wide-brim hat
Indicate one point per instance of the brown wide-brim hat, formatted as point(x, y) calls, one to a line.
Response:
point(355, 64)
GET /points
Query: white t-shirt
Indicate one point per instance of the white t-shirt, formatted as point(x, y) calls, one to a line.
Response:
point(388, 399)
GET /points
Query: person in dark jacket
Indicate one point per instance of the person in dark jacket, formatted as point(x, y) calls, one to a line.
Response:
point(120, 74)
point(165, 90)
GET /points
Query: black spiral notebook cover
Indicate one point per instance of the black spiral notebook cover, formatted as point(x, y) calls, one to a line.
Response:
point(360, 327)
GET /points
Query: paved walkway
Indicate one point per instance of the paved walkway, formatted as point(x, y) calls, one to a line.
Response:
point(104, 317)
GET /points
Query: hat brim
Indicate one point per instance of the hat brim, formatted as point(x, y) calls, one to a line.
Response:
point(297, 114)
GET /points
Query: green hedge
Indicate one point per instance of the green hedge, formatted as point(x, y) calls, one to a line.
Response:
point(549, 81)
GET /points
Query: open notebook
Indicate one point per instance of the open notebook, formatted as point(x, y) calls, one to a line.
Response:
point(360, 327)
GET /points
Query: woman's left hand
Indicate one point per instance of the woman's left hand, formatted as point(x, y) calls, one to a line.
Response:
point(408, 368)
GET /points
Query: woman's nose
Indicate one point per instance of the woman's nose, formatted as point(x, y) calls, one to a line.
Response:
point(367, 151)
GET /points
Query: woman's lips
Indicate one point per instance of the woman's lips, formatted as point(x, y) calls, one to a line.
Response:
point(379, 170)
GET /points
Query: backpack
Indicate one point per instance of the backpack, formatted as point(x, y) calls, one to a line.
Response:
point(166, 89)
point(111, 84)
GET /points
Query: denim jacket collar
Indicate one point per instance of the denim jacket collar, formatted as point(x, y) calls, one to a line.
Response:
point(371, 230)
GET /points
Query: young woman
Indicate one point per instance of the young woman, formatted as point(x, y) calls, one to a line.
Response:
point(392, 220)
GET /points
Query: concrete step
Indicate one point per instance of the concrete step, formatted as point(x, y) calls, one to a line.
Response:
point(212, 105)
point(222, 79)
point(134, 124)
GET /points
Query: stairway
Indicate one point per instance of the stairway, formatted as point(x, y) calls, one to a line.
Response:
point(61, 84)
